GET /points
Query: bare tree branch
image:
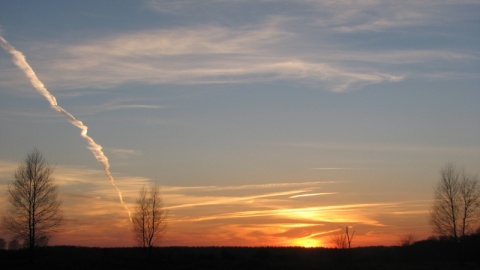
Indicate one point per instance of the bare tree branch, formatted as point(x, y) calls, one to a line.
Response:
point(456, 206)
point(34, 212)
point(342, 239)
point(150, 218)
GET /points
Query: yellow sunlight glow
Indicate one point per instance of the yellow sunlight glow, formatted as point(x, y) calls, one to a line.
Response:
point(306, 242)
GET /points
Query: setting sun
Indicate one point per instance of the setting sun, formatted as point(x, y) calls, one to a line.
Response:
point(306, 242)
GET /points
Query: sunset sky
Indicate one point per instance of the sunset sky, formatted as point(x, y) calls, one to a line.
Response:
point(266, 122)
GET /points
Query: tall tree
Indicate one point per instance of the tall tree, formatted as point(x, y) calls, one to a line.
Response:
point(456, 205)
point(149, 218)
point(34, 208)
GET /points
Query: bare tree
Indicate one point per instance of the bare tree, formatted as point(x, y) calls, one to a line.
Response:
point(140, 218)
point(469, 202)
point(150, 218)
point(34, 208)
point(456, 204)
point(342, 239)
point(349, 236)
point(338, 240)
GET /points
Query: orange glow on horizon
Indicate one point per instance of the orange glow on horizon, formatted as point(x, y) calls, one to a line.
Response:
point(307, 242)
point(95, 218)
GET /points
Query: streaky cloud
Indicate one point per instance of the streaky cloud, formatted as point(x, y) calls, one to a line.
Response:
point(96, 149)
point(251, 186)
point(227, 200)
point(335, 213)
point(125, 153)
point(381, 147)
point(312, 194)
point(119, 104)
point(202, 55)
point(332, 168)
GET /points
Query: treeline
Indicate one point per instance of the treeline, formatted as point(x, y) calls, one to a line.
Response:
point(427, 254)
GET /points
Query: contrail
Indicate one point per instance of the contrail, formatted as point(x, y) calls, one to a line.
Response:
point(19, 59)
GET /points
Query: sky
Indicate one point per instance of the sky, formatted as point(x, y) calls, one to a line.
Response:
point(266, 122)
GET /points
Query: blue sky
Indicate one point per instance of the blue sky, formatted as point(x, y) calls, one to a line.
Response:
point(271, 98)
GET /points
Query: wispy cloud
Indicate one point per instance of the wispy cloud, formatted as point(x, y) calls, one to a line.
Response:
point(250, 186)
point(332, 168)
point(345, 16)
point(209, 200)
point(273, 213)
point(258, 50)
point(388, 16)
point(125, 153)
point(332, 214)
point(119, 104)
point(7, 169)
point(312, 194)
point(381, 147)
point(205, 54)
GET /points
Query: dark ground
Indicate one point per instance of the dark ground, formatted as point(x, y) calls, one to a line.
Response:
point(431, 254)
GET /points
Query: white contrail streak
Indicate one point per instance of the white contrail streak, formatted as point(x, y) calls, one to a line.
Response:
point(19, 59)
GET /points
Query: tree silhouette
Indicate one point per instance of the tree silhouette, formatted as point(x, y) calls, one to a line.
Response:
point(3, 244)
point(34, 209)
point(406, 240)
point(456, 205)
point(13, 244)
point(342, 239)
point(149, 219)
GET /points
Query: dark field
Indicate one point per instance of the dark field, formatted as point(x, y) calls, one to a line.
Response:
point(421, 255)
